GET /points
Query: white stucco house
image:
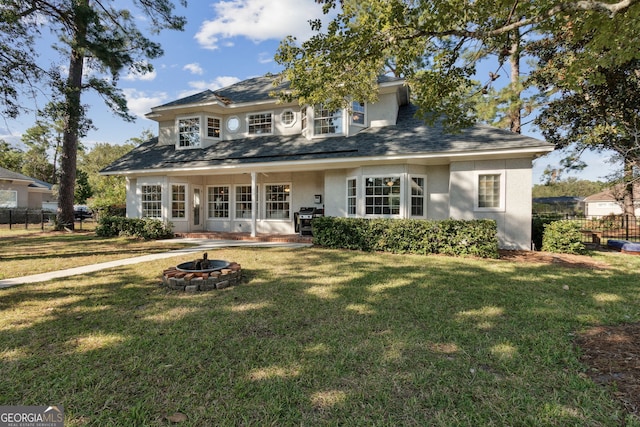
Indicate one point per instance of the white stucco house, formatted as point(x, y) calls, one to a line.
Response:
point(238, 160)
point(609, 202)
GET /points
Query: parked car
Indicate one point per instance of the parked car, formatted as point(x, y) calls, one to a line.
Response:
point(82, 212)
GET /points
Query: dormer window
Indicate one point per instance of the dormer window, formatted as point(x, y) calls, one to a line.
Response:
point(213, 127)
point(357, 113)
point(189, 132)
point(327, 122)
point(259, 124)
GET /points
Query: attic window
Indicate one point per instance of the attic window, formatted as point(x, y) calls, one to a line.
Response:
point(213, 127)
point(189, 132)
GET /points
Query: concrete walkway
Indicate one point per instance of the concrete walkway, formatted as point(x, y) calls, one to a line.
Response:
point(200, 245)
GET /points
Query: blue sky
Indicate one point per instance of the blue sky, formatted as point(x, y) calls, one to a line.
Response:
point(223, 42)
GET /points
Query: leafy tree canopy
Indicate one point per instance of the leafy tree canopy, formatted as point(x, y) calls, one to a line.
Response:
point(428, 42)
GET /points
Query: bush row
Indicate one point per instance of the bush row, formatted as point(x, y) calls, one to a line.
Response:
point(450, 237)
point(110, 226)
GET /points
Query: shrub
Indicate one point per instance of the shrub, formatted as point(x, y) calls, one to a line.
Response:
point(148, 229)
point(563, 237)
point(451, 237)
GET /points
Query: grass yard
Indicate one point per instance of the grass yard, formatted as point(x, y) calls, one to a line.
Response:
point(319, 337)
point(39, 252)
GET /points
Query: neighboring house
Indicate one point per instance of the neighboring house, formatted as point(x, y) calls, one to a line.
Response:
point(19, 191)
point(238, 160)
point(609, 202)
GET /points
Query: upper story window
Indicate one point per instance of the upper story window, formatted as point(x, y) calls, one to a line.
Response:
point(357, 113)
point(189, 132)
point(327, 122)
point(260, 123)
point(303, 118)
point(288, 118)
point(213, 127)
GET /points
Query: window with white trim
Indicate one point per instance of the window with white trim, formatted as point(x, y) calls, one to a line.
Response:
point(417, 184)
point(151, 201)
point(327, 122)
point(189, 132)
point(303, 118)
point(490, 191)
point(352, 197)
point(382, 195)
point(218, 201)
point(288, 118)
point(259, 123)
point(213, 127)
point(244, 201)
point(178, 201)
point(8, 199)
point(357, 113)
point(277, 205)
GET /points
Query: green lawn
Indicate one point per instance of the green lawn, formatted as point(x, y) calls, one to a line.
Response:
point(39, 252)
point(319, 337)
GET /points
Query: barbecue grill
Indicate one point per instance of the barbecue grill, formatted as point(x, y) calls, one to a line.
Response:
point(304, 217)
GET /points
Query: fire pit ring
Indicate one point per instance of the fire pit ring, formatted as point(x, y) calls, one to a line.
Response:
point(202, 275)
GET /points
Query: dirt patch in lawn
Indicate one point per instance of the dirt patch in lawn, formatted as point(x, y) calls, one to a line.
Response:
point(612, 354)
point(564, 260)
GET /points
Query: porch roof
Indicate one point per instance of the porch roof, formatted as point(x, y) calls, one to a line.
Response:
point(410, 138)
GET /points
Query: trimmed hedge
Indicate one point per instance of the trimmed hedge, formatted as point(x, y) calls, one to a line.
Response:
point(148, 229)
point(563, 237)
point(450, 237)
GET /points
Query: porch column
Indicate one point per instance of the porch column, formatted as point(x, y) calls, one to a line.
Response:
point(254, 203)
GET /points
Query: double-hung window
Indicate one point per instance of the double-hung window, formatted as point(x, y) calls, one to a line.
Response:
point(218, 201)
point(260, 123)
point(417, 195)
point(213, 127)
point(352, 197)
point(151, 201)
point(8, 199)
point(244, 201)
point(382, 195)
point(189, 132)
point(277, 205)
point(357, 113)
point(178, 201)
point(327, 122)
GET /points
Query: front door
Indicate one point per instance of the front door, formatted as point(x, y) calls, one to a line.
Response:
point(197, 209)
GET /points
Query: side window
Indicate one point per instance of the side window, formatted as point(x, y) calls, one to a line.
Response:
point(417, 184)
point(352, 197)
point(490, 191)
point(357, 113)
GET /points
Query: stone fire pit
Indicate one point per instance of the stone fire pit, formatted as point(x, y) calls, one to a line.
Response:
point(202, 275)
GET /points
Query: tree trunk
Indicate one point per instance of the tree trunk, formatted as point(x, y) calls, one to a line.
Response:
point(72, 117)
point(628, 201)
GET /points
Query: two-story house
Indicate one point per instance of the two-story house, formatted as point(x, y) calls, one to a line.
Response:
point(238, 160)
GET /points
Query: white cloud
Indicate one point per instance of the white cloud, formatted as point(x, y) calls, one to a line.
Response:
point(265, 57)
point(258, 20)
point(202, 85)
point(194, 68)
point(140, 103)
point(146, 77)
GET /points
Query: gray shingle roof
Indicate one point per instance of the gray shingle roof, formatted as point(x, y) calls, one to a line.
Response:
point(410, 136)
point(11, 175)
